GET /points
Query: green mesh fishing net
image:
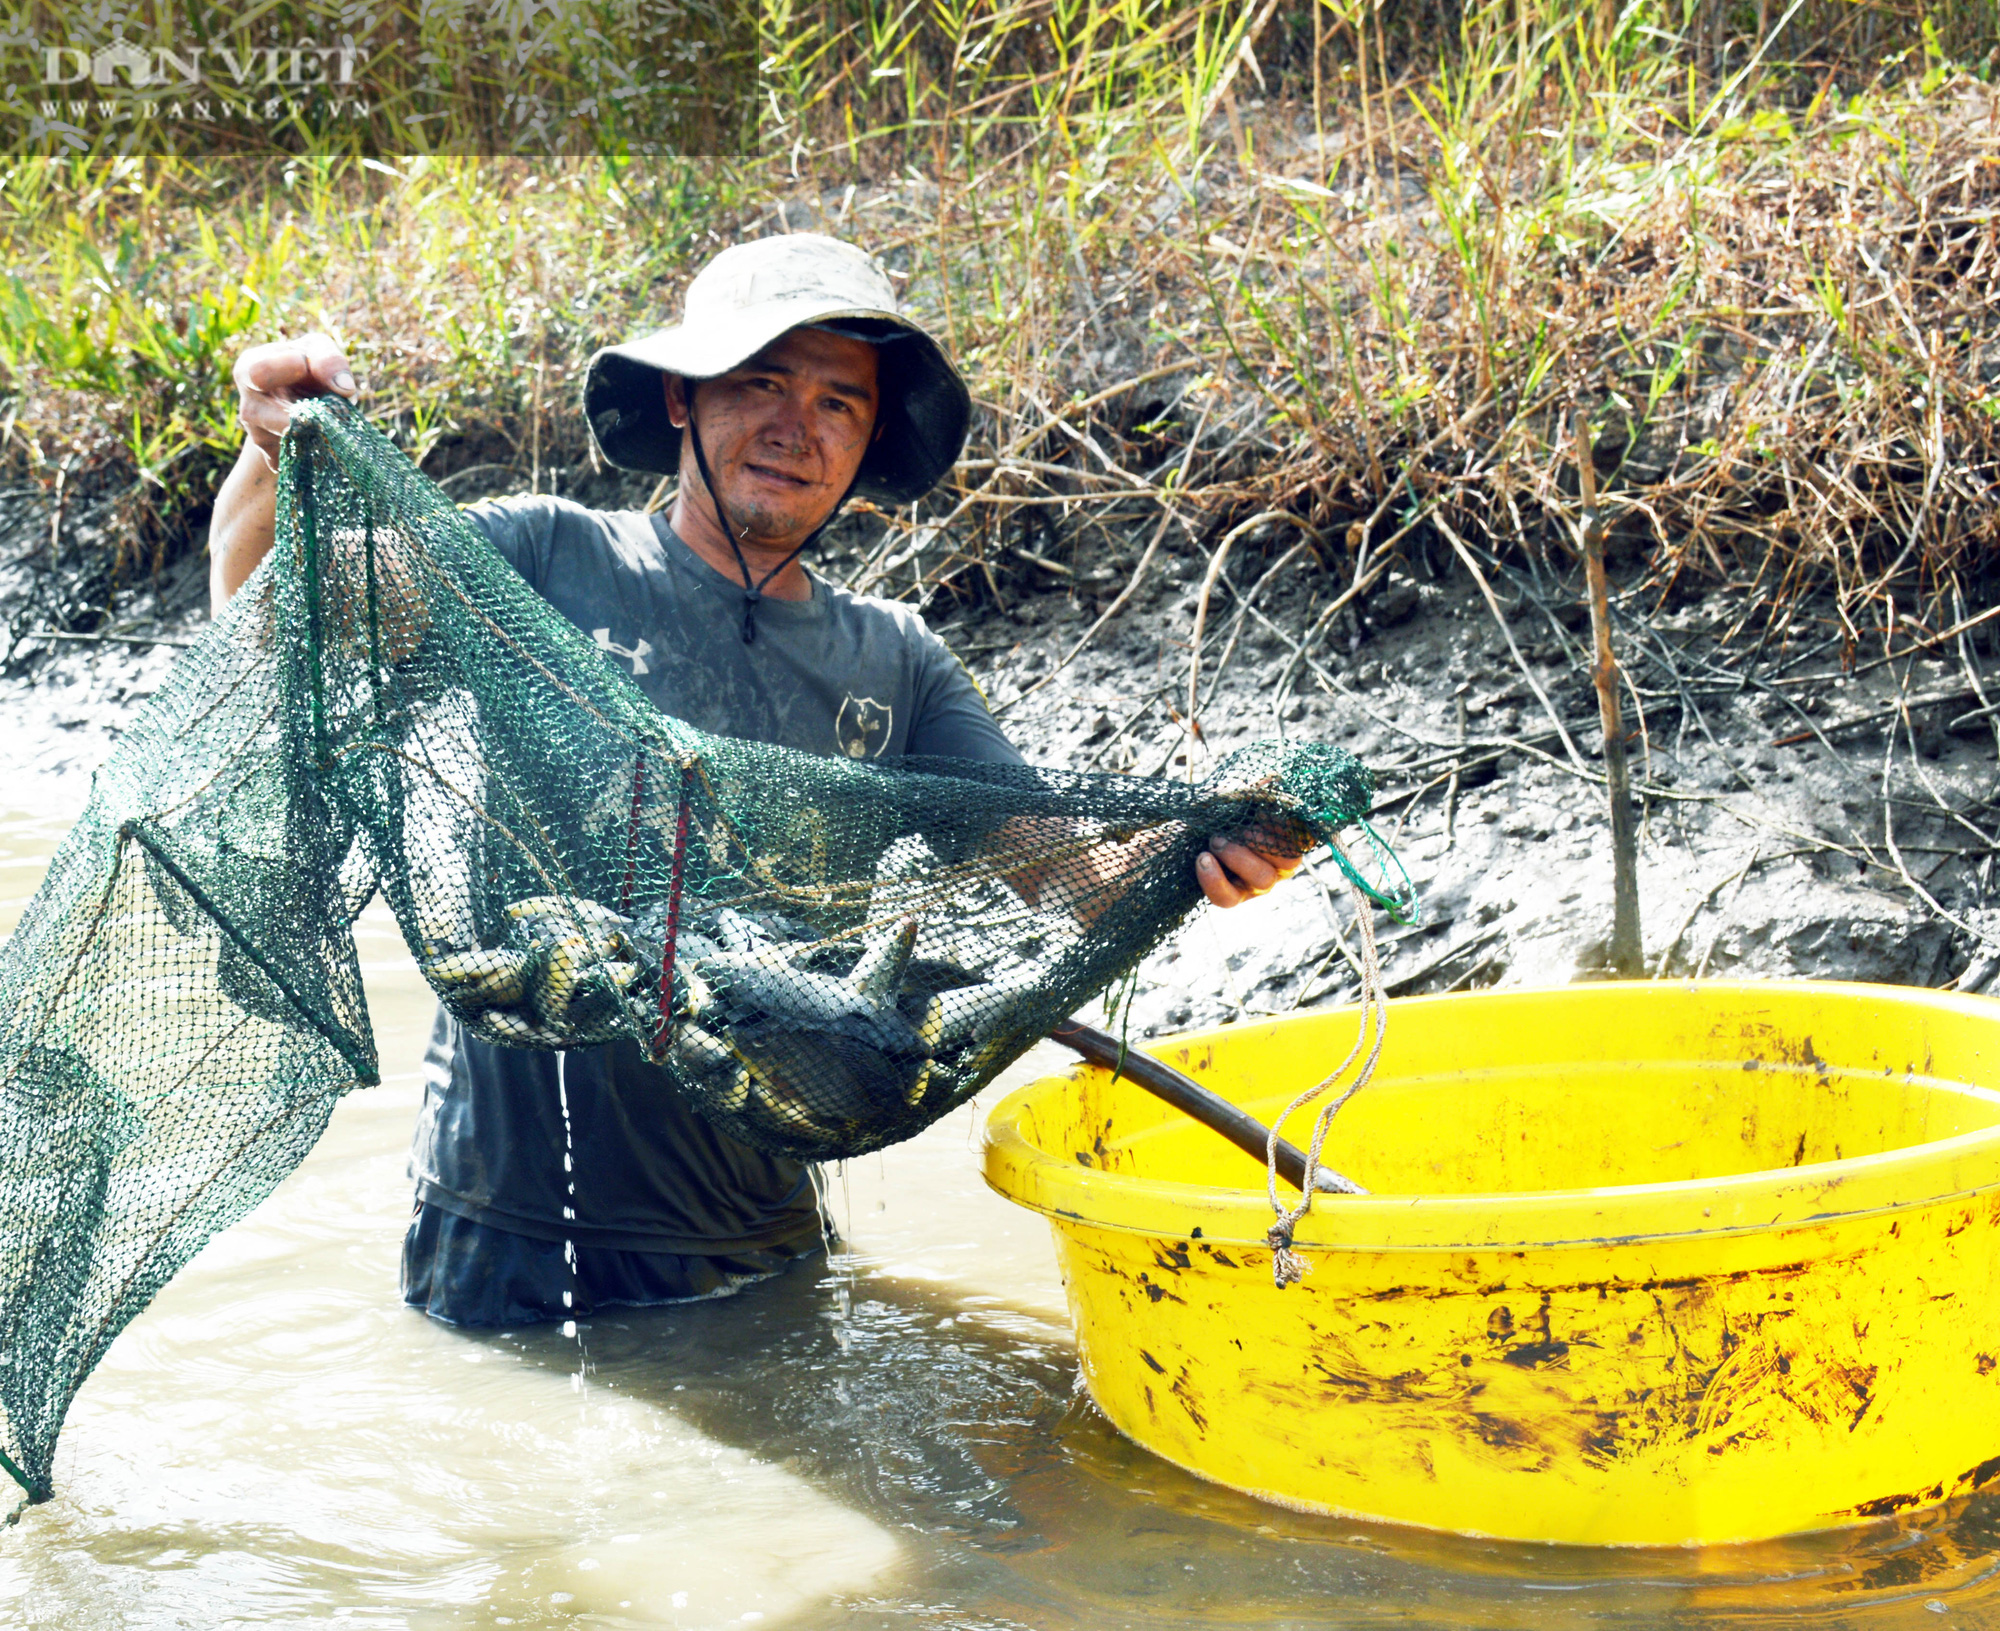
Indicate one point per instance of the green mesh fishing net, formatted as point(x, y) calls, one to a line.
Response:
point(826, 955)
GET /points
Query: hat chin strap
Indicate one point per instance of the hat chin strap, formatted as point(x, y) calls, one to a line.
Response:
point(753, 593)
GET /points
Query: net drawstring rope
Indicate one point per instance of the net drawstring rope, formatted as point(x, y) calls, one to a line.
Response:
point(1288, 1265)
point(663, 1037)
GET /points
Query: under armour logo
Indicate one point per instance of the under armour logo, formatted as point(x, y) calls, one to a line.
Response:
point(637, 654)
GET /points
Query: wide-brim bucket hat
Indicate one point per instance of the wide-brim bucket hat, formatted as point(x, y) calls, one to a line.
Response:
point(739, 303)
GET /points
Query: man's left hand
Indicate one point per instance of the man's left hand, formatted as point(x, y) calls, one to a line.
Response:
point(1231, 872)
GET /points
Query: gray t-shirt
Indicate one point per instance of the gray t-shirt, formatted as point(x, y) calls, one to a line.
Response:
point(838, 673)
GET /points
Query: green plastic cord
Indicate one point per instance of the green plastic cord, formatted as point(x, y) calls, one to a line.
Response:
point(1402, 906)
point(302, 476)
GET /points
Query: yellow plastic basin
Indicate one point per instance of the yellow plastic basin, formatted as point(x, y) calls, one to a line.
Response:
point(1640, 1265)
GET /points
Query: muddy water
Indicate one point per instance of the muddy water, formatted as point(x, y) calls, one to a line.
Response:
point(891, 1440)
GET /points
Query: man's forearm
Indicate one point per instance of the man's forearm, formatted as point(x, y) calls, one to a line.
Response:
point(269, 379)
point(241, 528)
point(1085, 872)
point(1079, 868)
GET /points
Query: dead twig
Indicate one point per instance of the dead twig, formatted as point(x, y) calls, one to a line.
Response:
point(1450, 955)
point(1972, 671)
point(1457, 769)
point(1215, 560)
point(56, 513)
point(1902, 869)
point(1736, 885)
point(1168, 516)
point(1119, 735)
point(1245, 599)
point(1507, 634)
point(102, 639)
point(1687, 923)
point(1862, 722)
point(1928, 643)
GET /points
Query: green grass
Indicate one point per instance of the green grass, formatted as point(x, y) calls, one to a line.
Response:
point(1376, 256)
point(454, 283)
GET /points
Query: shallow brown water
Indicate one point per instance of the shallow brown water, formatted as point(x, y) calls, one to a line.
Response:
point(891, 1441)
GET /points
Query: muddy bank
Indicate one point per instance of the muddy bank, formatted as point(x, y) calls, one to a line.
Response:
point(1796, 816)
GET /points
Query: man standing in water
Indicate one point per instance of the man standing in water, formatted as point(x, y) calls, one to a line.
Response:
point(792, 382)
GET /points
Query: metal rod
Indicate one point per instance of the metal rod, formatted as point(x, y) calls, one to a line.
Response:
point(100, 639)
point(1213, 1111)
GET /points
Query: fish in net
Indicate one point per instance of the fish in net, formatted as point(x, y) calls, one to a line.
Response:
point(825, 955)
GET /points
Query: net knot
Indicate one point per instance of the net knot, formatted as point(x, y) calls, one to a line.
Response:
point(1288, 1267)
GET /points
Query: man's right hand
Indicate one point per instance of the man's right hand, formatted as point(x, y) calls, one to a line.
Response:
point(269, 378)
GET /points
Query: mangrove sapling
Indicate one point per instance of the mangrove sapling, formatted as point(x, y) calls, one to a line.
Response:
point(1626, 956)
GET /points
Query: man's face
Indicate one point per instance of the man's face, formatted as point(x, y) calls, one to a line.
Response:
point(784, 433)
